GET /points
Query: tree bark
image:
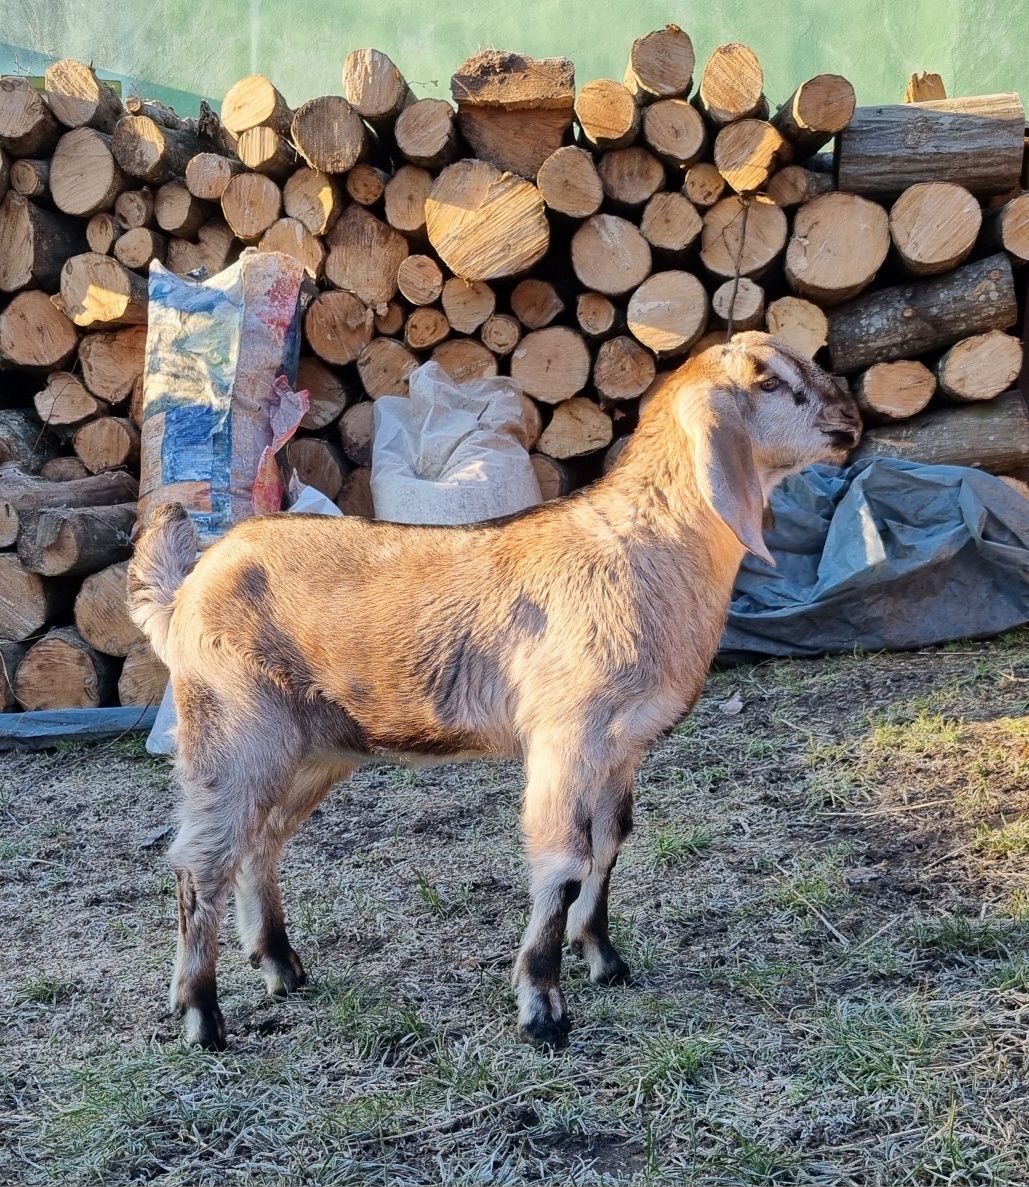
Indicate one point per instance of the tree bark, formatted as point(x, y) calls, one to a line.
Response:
point(66, 542)
point(28, 602)
point(34, 244)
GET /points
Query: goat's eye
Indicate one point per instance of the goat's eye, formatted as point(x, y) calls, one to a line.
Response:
point(770, 384)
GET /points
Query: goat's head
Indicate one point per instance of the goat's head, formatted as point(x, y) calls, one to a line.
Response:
point(756, 411)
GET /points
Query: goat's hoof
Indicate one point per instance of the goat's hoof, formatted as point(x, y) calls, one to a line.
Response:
point(284, 977)
point(205, 1028)
point(543, 1021)
point(611, 970)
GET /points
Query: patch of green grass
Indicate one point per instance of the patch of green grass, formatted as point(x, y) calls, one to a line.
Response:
point(379, 1026)
point(812, 882)
point(924, 734)
point(1007, 840)
point(670, 844)
point(44, 991)
point(959, 935)
point(666, 1061)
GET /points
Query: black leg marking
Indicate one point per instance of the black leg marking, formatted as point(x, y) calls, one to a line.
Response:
point(543, 1017)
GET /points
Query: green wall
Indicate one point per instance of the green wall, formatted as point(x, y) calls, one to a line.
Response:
point(185, 50)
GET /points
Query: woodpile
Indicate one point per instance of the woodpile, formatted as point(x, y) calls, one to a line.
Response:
point(583, 239)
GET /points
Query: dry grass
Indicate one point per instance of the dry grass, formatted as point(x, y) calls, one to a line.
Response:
point(825, 903)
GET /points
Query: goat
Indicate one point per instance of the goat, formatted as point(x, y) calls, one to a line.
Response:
point(570, 635)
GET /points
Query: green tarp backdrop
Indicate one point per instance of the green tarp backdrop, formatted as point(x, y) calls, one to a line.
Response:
point(186, 50)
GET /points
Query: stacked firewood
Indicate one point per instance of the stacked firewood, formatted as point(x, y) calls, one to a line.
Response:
point(582, 242)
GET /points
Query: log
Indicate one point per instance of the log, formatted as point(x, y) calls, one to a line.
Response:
point(894, 391)
point(162, 114)
point(178, 213)
point(328, 134)
point(630, 176)
point(726, 240)
point(570, 183)
point(135, 208)
point(78, 98)
point(355, 434)
point(794, 184)
point(674, 130)
point(145, 149)
point(364, 257)
point(748, 152)
point(607, 114)
point(732, 86)
point(102, 233)
point(250, 204)
point(11, 655)
point(317, 463)
point(934, 226)
point(383, 367)
point(62, 671)
point(991, 435)
point(464, 358)
point(5, 172)
point(555, 478)
point(337, 327)
point(671, 225)
point(35, 334)
point(668, 312)
point(23, 440)
point(598, 317)
point(609, 255)
point(467, 304)
point(99, 293)
point(365, 184)
point(63, 469)
point(84, 176)
point(976, 140)
point(552, 364)
point(660, 65)
point(22, 492)
point(426, 133)
point(485, 224)
point(923, 86)
point(65, 542)
point(420, 280)
point(703, 184)
point(314, 199)
point(214, 250)
point(425, 328)
point(907, 320)
point(64, 403)
point(374, 87)
point(254, 103)
point(390, 322)
point(263, 150)
point(135, 409)
point(101, 614)
point(108, 443)
point(798, 323)
point(34, 244)
point(740, 302)
point(623, 370)
point(980, 367)
point(143, 677)
point(27, 601)
point(27, 125)
point(112, 362)
point(839, 242)
point(703, 343)
point(500, 334)
point(532, 421)
point(292, 238)
point(577, 428)
point(31, 178)
point(328, 394)
point(407, 191)
point(1008, 228)
point(356, 496)
point(536, 303)
point(816, 111)
point(208, 173)
point(137, 247)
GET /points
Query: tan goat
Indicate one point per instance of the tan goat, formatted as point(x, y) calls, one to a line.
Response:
point(570, 636)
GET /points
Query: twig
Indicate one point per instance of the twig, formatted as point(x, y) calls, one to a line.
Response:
point(736, 268)
point(826, 923)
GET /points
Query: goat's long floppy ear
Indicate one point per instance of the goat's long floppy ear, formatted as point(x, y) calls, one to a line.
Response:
point(724, 462)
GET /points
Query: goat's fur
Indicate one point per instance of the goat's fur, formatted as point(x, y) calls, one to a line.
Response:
point(570, 635)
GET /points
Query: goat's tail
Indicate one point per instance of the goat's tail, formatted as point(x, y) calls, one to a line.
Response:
point(164, 557)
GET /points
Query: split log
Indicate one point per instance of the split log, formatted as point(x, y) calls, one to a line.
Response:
point(364, 257)
point(630, 176)
point(839, 242)
point(569, 182)
point(154, 154)
point(64, 403)
point(143, 677)
point(607, 113)
point(555, 478)
point(577, 428)
point(254, 103)
point(660, 65)
point(27, 125)
point(108, 443)
point(934, 226)
point(329, 134)
point(799, 323)
point(977, 140)
point(208, 173)
point(703, 184)
point(991, 435)
point(426, 133)
point(390, 321)
point(100, 293)
point(62, 671)
point(671, 225)
point(794, 185)
point(383, 367)
point(500, 334)
point(66, 542)
point(34, 244)
point(292, 238)
point(748, 152)
point(485, 224)
point(1008, 228)
point(536, 303)
point(467, 304)
point(314, 199)
point(63, 469)
point(23, 440)
point(374, 87)
point(355, 434)
point(464, 358)
point(675, 131)
point(598, 317)
point(816, 111)
point(250, 204)
point(924, 86)
point(178, 213)
point(980, 367)
point(35, 334)
point(78, 98)
point(263, 150)
point(907, 320)
point(337, 327)
point(135, 208)
point(31, 178)
point(732, 86)
point(552, 364)
point(27, 601)
point(356, 496)
point(623, 369)
point(741, 302)
point(11, 655)
point(328, 394)
point(101, 614)
point(84, 176)
point(317, 463)
point(727, 239)
point(894, 391)
point(420, 280)
point(102, 233)
point(427, 327)
point(138, 246)
point(214, 250)
point(609, 255)
point(111, 363)
point(668, 312)
point(407, 191)
point(365, 184)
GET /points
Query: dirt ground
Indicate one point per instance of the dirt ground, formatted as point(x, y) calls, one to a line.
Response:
point(825, 904)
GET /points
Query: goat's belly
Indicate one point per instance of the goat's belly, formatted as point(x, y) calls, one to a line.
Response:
point(404, 758)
